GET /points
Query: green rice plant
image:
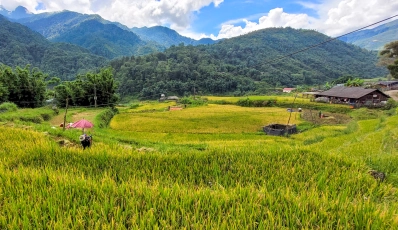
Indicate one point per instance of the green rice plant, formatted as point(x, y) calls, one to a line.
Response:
point(193, 101)
point(209, 119)
point(37, 115)
point(203, 168)
point(115, 188)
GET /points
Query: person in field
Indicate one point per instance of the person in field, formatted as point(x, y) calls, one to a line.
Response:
point(86, 140)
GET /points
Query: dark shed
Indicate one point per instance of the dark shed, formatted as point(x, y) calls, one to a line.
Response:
point(354, 95)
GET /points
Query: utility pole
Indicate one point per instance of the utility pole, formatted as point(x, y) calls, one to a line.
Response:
point(95, 96)
point(66, 110)
point(194, 93)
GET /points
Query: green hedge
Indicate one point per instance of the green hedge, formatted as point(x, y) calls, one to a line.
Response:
point(335, 108)
point(105, 117)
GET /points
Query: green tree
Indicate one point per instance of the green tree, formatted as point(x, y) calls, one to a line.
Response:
point(393, 69)
point(87, 88)
point(388, 57)
point(3, 93)
point(390, 50)
point(23, 86)
point(356, 82)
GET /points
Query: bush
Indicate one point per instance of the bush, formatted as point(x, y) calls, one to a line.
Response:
point(45, 116)
point(193, 101)
point(222, 102)
point(391, 104)
point(34, 119)
point(8, 107)
point(105, 117)
point(134, 106)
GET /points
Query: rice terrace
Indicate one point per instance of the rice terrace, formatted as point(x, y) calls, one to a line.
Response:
point(209, 166)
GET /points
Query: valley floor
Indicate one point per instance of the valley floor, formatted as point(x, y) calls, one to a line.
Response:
point(208, 167)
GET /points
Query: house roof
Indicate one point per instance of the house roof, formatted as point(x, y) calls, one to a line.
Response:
point(348, 92)
point(387, 83)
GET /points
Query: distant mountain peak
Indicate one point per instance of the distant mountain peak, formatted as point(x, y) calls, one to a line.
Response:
point(18, 13)
point(374, 38)
point(167, 37)
point(4, 11)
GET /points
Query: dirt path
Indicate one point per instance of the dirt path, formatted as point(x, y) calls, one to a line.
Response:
point(393, 94)
point(88, 115)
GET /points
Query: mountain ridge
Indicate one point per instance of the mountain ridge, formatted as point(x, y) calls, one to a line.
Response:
point(375, 38)
point(254, 63)
point(20, 46)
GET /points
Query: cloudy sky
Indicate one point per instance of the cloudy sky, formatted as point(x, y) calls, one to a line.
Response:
point(227, 18)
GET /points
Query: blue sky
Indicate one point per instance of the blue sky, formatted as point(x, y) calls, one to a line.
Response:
point(226, 18)
point(210, 18)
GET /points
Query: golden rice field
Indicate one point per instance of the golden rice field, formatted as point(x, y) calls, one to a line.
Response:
point(208, 167)
point(235, 99)
point(209, 119)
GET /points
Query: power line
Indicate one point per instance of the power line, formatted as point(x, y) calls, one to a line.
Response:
point(329, 40)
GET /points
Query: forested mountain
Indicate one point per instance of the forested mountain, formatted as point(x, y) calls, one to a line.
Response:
point(68, 26)
point(376, 38)
point(55, 24)
point(106, 40)
point(18, 13)
point(167, 37)
point(245, 64)
point(101, 37)
point(20, 46)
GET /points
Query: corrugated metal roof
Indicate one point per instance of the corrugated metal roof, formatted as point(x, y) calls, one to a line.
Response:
point(347, 92)
point(387, 82)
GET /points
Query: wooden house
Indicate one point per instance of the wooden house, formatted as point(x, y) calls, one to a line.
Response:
point(387, 85)
point(354, 95)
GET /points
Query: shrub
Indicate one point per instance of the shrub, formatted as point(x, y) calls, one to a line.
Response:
point(8, 107)
point(391, 104)
point(34, 119)
point(134, 106)
point(245, 102)
point(105, 117)
point(46, 116)
point(193, 101)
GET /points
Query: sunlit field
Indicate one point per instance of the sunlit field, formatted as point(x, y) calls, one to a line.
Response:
point(206, 119)
point(208, 167)
point(235, 99)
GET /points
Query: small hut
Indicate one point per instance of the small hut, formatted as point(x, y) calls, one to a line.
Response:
point(279, 129)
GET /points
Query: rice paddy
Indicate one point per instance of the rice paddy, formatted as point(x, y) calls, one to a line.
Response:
point(208, 167)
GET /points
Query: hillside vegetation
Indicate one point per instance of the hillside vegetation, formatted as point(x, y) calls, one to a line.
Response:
point(148, 170)
point(20, 47)
point(167, 37)
point(244, 65)
point(375, 38)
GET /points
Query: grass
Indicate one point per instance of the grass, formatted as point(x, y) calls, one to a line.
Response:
point(207, 167)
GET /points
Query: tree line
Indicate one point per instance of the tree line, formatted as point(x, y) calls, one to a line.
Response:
point(249, 64)
point(29, 88)
point(90, 89)
point(25, 87)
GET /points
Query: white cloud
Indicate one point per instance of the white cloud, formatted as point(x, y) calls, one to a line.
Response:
point(349, 15)
point(275, 18)
point(336, 17)
point(176, 13)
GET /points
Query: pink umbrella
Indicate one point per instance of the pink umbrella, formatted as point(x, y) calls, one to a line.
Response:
point(84, 124)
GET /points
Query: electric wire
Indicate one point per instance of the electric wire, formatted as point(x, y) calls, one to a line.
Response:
point(329, 40)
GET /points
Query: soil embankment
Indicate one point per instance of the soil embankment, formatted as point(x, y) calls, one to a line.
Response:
point(393, 94)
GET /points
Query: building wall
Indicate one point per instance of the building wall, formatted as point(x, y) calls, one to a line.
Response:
point(370, 98)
